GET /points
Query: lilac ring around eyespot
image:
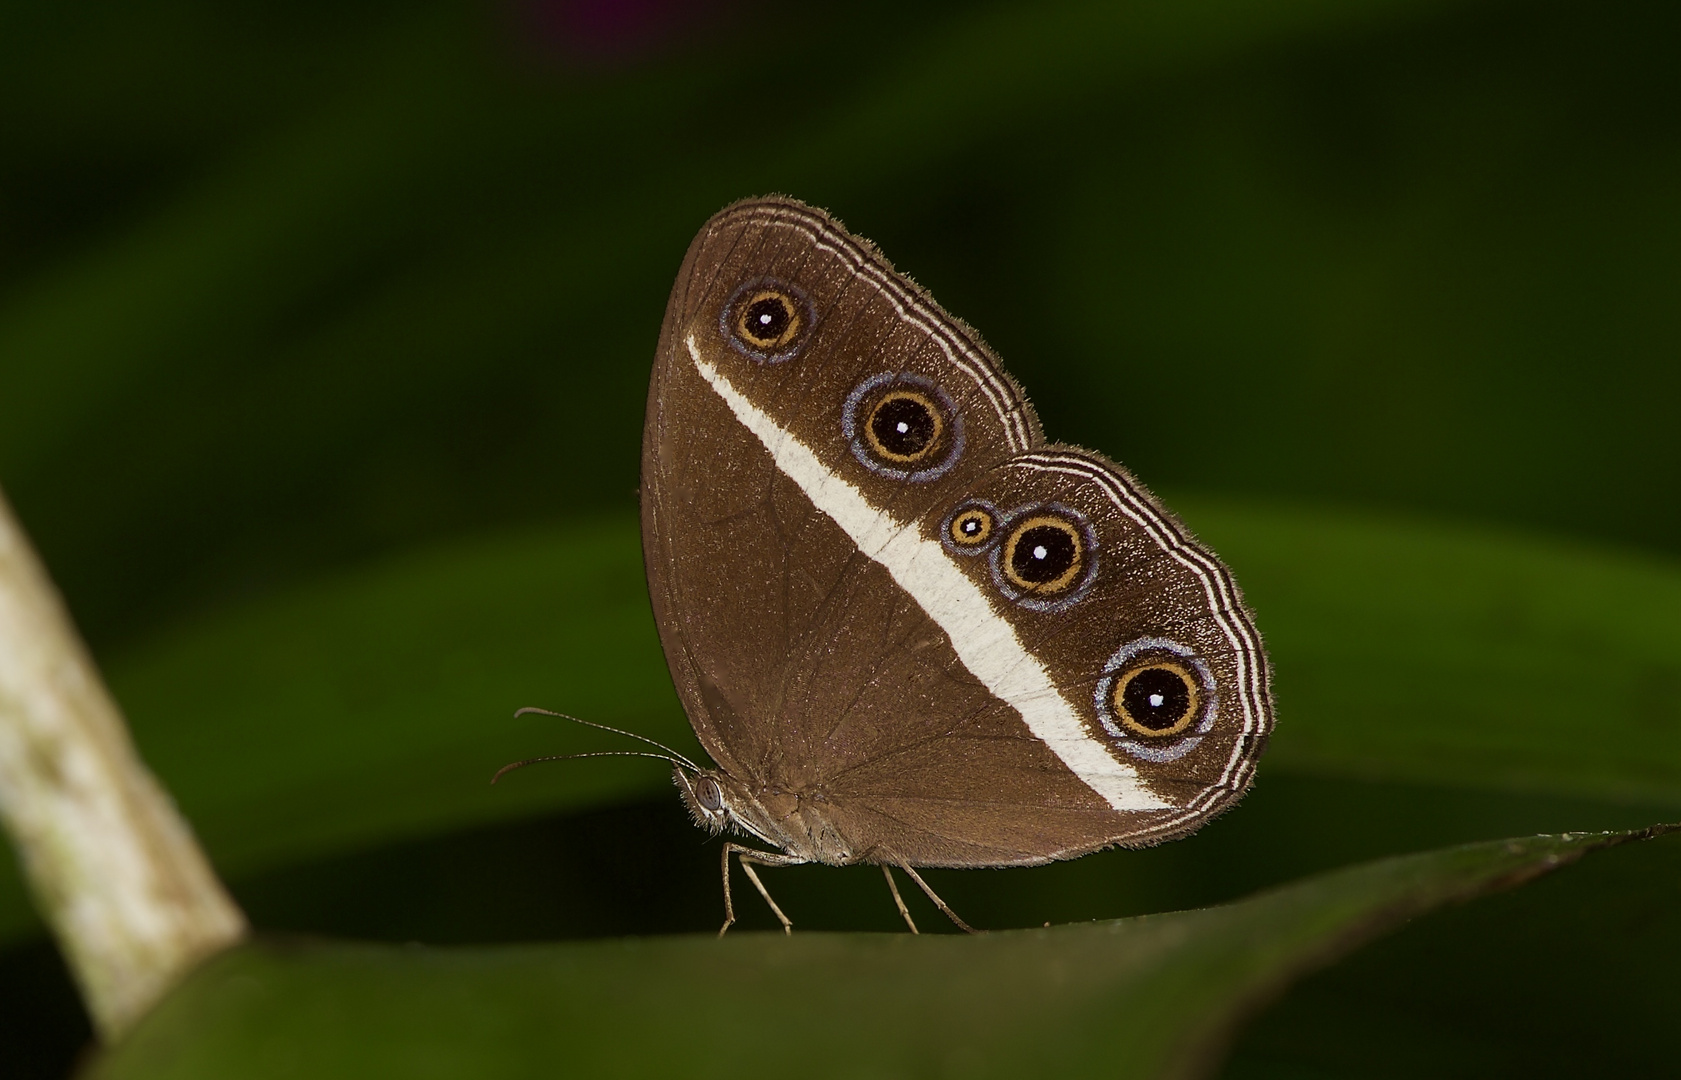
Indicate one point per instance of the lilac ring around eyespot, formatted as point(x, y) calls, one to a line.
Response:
point(1131, 743)
point(1088, 554)
point(804, 312)
point(853, 429)
point(971, 506)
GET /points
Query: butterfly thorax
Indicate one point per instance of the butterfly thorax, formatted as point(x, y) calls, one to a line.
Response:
point(798, 823)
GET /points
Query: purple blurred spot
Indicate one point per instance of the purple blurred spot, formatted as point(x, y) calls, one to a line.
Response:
point(612, 29)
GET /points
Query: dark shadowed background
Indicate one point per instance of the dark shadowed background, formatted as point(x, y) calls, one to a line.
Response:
point(325, 331)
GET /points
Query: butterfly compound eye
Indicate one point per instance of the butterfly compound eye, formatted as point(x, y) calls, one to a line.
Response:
point(709, 794)
point(767, 321)
point(1157, 699)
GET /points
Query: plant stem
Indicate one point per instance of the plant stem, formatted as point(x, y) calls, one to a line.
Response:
point(113, 866)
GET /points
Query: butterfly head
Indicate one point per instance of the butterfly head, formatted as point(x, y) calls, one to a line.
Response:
point(704, 796)
point(717, 803)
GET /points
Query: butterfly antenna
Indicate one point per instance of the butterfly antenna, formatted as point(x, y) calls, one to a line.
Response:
point(675, 757)
point(569, 757)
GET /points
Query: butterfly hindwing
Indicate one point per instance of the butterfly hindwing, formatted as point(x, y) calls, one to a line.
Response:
point(889, 606)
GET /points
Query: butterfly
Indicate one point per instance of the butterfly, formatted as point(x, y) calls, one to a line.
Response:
point(907, 629)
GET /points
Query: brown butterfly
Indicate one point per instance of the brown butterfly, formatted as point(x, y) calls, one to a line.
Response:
point(908, 630)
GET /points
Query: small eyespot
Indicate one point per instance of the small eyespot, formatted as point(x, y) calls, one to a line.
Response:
point(969, 528)
point(903, 426)
point(767, 321)
point(709, 795)
point(1158, 699)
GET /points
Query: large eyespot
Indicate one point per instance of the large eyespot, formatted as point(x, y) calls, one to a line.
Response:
point(1047, 558)
point(709, 795)
point(903, 426)
point(970, 529)
point(767, 321)
point(1157, 698)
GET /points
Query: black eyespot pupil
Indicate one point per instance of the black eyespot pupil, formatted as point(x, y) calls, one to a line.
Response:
point(903, 426)
point(1157, 698)
point(768, 318)
point(971, 527)
point(1043, 554)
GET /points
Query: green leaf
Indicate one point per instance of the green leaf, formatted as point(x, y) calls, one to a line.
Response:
point(379, 705)
point(300, 211)
point(375, 706)
point(1155, 996)
point(1412, 650)
point(345, 301)
point(1571, 976)
point(360, 325)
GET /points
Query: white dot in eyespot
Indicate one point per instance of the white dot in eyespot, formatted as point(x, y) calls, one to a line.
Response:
point(1156, 701)
point(903, 427)
point(1040, 552)
point(764, 320)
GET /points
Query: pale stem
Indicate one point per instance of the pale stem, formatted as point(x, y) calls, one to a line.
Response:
point(112, 865)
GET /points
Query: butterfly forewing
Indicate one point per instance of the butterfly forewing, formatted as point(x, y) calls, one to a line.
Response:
point(885, 600)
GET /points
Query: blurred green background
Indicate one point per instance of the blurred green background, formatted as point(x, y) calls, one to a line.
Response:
point(325, 331)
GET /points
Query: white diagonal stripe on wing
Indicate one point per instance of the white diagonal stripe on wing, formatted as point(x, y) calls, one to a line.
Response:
point(985, 643)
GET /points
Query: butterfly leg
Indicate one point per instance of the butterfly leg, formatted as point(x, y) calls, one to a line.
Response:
point(932, 895)
point(899, 901)
point(747, 857)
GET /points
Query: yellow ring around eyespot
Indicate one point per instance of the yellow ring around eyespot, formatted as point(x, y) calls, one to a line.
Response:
point(904, 395)
point(1062, 580)
point(979, 538)
point(1193, 707)
point(788, 306)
